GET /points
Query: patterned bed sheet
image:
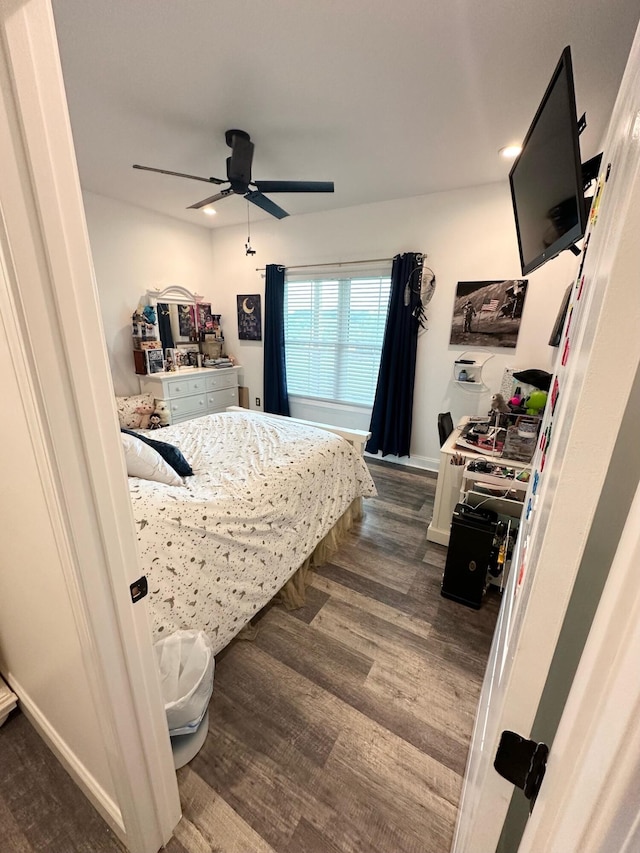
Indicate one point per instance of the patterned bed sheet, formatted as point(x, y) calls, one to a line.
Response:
point(263, 494)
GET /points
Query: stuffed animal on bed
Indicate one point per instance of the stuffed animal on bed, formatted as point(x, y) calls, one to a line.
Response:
point(163, 411)
point(145, 411)
point(154, 421)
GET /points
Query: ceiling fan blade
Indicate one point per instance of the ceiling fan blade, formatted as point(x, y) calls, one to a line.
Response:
point(266, 204)
point(212, 198)
point(294, 186)
point(181, 175)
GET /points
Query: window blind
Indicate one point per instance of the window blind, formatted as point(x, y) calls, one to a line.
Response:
point(334, 328)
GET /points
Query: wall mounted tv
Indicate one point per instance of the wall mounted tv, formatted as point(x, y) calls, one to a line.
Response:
point(546, 179)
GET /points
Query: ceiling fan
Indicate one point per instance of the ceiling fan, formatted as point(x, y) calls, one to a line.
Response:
point(239, 178)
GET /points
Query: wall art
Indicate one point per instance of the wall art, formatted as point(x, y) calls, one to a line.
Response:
point(488, 313)
point(249, 317)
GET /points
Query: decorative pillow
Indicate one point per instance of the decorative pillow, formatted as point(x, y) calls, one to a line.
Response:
point(127, 409)
point(145, 462)
point(169, 452)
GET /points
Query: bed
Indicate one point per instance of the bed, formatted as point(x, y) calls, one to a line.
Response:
point(266, 495)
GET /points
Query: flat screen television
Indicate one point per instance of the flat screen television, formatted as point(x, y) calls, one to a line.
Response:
point(546, 179)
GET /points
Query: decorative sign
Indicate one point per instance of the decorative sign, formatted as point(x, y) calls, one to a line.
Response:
point(249, 318)
point(488, 313)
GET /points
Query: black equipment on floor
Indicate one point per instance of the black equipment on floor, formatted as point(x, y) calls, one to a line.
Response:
point(465, 572)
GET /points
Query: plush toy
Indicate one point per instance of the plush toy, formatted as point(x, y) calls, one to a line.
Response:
point(149, 314)
point(498, 404)
point(145, 411)
point(154, 421)
point(536, 402)
point(162, 410)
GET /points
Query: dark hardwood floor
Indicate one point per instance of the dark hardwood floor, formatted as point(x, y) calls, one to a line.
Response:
point(343, 726)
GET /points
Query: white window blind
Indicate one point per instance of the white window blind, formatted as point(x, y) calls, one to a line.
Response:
point(334, 328)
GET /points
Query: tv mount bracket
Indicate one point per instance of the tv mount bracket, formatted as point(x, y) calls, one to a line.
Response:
point(591, 170)
point(582, 123)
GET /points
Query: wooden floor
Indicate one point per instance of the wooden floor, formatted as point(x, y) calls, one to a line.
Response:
point(343, 727)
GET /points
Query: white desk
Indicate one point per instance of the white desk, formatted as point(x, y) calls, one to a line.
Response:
point(448, 485)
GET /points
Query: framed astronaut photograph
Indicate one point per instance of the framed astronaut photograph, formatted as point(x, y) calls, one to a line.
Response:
point(488, 313)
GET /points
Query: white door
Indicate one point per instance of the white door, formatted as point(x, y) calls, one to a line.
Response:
point(59, 372)
point(598, 360)
point(589, 798)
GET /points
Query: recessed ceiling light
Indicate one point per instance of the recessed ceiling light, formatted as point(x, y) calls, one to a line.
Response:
point(209, 211)
point(509, 152)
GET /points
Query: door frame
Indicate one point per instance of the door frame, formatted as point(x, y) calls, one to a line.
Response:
point(54, 323)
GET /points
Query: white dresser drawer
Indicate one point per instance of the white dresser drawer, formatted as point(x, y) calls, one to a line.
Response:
point(193, 392)
point(182, 387)
point(217, 401)
point(188, 407)
point(221, 379)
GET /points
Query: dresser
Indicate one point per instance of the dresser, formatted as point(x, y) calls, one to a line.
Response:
point(192, 392)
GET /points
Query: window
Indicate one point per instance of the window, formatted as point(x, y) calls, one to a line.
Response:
point(334, 327)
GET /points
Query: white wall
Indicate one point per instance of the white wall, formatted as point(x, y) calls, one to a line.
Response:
point(467, 234)
point(40, 651)
point(135, 250)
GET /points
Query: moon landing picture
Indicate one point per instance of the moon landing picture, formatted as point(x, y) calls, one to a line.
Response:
point(249, 318)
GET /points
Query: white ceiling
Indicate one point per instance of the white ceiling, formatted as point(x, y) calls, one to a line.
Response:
point(388, 100)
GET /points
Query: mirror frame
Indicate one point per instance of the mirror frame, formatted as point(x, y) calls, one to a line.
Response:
point(174, 294)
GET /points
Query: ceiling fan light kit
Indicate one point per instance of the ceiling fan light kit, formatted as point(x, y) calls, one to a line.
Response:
point(240, 181)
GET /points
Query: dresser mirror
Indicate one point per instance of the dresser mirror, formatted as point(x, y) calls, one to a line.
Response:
point(177, 310)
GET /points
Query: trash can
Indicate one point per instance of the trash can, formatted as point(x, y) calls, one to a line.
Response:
point(186, 665)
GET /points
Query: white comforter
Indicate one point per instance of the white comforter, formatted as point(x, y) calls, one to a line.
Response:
point(263, 494)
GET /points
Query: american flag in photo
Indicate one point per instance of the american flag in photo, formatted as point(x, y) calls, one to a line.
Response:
point(491, 305)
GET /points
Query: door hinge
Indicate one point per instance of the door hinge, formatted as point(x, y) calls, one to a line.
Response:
point(523, 763)
point(139, 589)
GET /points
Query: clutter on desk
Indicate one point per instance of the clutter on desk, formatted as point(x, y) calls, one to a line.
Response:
point(511, 435)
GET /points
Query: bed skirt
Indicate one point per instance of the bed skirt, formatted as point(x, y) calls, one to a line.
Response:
point(293, 593)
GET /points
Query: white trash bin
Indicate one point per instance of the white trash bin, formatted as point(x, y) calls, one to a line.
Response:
point(186, 665)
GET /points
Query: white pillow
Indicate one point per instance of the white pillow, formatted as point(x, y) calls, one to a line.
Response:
point(127, 406)
point(145, 462)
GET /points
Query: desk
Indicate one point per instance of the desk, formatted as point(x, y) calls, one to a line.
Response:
point(448, 485)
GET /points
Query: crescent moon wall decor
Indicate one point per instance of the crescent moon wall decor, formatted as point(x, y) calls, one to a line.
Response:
point(249, 317)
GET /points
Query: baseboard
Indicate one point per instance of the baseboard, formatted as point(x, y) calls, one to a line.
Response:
point(424, 462)
point(87, 783)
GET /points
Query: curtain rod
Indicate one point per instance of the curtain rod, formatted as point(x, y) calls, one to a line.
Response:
point(335, 264)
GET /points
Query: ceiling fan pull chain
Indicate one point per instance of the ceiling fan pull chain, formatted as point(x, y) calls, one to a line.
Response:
point(247, 246)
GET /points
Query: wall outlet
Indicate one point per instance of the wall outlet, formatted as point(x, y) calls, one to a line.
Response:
point(257, 401)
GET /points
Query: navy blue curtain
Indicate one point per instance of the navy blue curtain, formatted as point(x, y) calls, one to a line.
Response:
point(275, 397)
point(393, 406)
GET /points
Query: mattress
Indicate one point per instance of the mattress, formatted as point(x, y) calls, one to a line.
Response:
point(264, 493)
